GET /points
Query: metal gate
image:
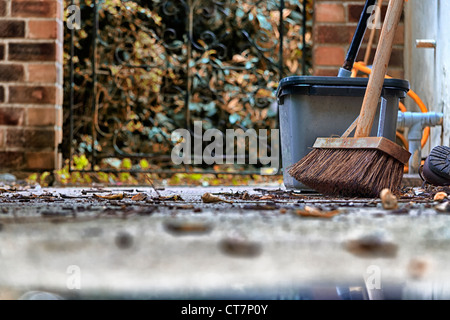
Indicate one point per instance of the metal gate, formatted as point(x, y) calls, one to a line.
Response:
point(138, 70)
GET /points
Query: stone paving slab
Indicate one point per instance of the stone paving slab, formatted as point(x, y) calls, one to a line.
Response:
point(72, 243)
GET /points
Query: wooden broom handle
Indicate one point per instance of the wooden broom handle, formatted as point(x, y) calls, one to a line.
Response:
point(380, 64)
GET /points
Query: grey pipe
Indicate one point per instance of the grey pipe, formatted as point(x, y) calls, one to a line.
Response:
point(416, 122)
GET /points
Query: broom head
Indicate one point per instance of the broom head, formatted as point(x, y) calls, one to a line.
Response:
point(352, 167)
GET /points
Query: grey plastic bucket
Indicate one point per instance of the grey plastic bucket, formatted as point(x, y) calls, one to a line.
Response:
point(311, 107)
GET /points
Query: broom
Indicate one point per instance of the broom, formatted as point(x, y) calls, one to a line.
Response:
point(346, 69)
point(360, 166)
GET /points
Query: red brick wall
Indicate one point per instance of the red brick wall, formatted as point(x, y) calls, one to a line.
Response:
point(335, 22)
point(30, 84)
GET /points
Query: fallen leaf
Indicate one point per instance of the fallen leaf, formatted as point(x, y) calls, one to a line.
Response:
point(371, 246)
point(209, 198)
point(4, 190)
point(440, 196)
point(240, 247)
point(118, 196)
point(185, 227)
point(139, 197)
point(25, 197)
point(171, 198)
point(315, 212)
point(388, 199)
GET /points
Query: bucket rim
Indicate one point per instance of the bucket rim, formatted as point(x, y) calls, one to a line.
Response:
point(392, 83)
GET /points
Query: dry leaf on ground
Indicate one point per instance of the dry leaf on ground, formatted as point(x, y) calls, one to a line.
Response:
point(139, 197)
point(240, 247)
point(388, 199)
point(315, 212)
point(209, 198)
point(371, 246)
point(179, 227)
point(440, 196)
point(175, 197)
point(118, 196)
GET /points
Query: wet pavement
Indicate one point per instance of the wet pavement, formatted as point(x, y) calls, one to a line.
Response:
point(261, 242)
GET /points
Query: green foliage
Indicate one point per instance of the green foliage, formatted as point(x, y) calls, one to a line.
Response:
point(66, 177)
point(160, 65)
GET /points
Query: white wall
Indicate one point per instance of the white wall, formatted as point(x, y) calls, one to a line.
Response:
point(428, 69)
point(443, 67)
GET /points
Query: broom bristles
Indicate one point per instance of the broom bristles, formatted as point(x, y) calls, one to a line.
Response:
point(348, 172)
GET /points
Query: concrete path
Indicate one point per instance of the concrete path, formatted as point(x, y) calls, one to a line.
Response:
point(146, 244)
